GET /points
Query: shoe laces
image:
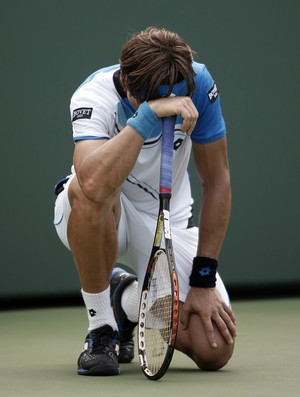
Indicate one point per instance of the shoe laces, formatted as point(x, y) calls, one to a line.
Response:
point(103, 340)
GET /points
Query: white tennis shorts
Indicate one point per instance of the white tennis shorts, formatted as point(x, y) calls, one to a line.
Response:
point(135, 236)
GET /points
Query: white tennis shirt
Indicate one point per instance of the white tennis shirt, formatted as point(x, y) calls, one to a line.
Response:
point(100, 109)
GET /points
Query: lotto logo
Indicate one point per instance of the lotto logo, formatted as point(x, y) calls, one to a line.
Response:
point(92, 312)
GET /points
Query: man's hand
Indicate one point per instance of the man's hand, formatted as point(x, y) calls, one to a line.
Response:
point(177, 105)
point(208, 304)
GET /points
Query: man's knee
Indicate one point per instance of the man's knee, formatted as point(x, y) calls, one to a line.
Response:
point(93, 209)
point(213, 359)
point(193, 342)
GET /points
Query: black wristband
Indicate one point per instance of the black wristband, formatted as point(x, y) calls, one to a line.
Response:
point(204, 272)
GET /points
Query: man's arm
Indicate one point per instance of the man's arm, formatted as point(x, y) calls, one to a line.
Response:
point(212, 166)
point(110, 161)
point(103, 165)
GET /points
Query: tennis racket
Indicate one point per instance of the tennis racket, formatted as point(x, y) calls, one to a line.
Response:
point(159, 304)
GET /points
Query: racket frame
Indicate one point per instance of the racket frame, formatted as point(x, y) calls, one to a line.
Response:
point(163, 229)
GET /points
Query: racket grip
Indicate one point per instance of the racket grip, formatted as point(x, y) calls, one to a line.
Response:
point(166, 165)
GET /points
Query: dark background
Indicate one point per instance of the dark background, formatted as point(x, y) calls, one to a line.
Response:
point(252, 51)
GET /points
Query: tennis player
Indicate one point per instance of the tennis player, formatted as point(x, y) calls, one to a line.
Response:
point(106, 210)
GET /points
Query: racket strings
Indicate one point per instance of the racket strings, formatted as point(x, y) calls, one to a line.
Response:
point(158, 319)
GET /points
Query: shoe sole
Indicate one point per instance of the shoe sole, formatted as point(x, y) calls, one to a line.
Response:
point(99, 371)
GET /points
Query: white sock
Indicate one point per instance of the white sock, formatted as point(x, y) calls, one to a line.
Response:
point(130, 302)
point(99, 309)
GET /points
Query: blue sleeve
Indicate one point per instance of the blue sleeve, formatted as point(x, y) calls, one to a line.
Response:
point(210, 125)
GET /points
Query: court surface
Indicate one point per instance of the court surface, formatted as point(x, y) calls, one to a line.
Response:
point(39, 349)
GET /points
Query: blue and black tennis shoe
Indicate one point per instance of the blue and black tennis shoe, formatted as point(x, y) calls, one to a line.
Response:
point(100, 353)
point(105, 348)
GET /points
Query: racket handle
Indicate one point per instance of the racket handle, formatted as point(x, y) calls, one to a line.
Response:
point(166, 165)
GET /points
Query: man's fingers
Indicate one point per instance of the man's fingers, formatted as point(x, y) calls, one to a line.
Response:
point(225, 326)
point(209, 330)
point(230, 313)
point(189, 115)
point(230, 320)
point(181, 106)
point(230, 323)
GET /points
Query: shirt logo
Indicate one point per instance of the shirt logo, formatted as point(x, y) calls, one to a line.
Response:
point(82, 113)
point(213, 93)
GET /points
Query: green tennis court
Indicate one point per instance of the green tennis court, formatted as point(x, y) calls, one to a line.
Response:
point(39, 349)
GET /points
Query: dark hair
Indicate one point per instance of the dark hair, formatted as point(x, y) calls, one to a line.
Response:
point(156, 57)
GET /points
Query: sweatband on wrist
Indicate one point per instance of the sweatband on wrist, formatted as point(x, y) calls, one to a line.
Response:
point(204, 272)
point(145, 122)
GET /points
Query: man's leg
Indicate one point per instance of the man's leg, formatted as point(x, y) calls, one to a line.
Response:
point(193, 342)
point(92, 236)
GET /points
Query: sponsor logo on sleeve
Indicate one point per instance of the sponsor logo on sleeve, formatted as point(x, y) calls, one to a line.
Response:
point(213, 93)
point(82, 113)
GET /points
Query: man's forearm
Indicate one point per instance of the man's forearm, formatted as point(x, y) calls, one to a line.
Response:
point(105, 168)
point(214, 218)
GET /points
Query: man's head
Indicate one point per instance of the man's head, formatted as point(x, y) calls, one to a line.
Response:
point(154, 58)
